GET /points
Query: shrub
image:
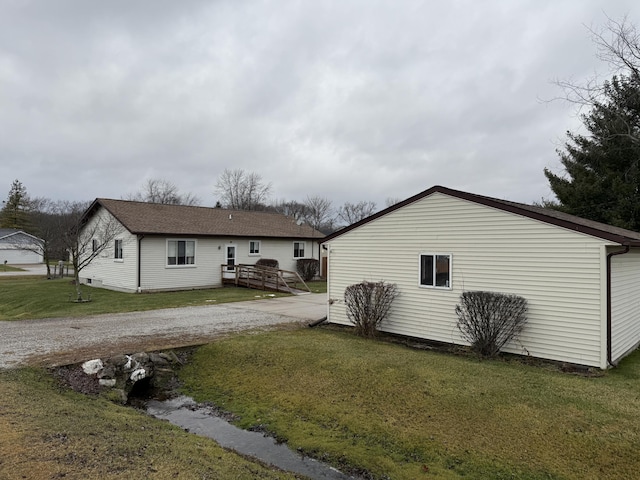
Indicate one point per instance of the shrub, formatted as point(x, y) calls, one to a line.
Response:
point(488, 320)
point(368, 304)
point(307, 268)
point(267, 262)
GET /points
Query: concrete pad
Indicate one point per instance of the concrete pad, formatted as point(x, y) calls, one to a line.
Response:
point(312, 306)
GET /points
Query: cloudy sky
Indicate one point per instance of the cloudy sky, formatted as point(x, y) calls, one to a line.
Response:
point(350, 100)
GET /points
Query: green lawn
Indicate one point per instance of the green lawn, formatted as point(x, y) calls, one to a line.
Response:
point(407, 414)
point(35, 297)
point(9, 268)
point(50, 433)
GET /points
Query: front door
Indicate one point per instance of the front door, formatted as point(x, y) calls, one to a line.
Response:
point(231, 257)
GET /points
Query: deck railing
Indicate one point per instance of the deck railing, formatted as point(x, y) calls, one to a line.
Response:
point(265, 278)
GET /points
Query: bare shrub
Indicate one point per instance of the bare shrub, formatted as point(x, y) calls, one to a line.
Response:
point(307, 268)
point(488, 320)
point(267, 262)
point(368, 304)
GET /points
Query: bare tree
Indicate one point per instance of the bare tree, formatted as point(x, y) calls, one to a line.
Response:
point(391, 201)
point(293, 209)
point(319, 213)
point(242, 190)
point(157, 190)
point(85, 237)
point(351, 213)
point(618, 45)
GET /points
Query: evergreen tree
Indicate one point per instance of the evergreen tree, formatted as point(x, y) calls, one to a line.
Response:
point(602, 180)
point(15, 211)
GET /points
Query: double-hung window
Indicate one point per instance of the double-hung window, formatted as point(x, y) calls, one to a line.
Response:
point(254, 247)
point(298, 249)
point(117, 249)
point(435, 270)
point(181, 252)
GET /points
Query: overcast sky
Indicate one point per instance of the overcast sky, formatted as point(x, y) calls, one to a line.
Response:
point(351, 100)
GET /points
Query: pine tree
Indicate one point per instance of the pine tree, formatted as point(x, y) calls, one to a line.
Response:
point(602, 180)
point(15, 211)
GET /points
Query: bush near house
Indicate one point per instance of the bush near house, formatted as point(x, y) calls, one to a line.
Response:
point(488, 320)
point(307, 268)
point(267, 262)
point(368, 304)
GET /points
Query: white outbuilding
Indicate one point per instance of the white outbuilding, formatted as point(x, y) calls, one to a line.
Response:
point(19, 248)
point(581, 278)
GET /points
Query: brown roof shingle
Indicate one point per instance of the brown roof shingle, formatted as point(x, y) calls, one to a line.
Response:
point(159, 219)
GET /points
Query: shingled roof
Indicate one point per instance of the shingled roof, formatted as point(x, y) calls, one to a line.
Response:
point(547, 215)
point(142, 218)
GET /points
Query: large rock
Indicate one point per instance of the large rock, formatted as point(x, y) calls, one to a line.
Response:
point(123, 372)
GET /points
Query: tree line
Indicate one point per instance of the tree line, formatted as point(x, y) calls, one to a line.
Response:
point(600, 178)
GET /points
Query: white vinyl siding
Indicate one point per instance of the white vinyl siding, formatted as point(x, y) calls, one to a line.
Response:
point(103, 271)
point(625, 302)
point(556, 270)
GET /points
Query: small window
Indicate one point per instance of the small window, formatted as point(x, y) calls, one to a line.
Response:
point(118, 250)
point(94, 245)
point(181, 252)
point(254, 247)
point(298, 249)
point(435, 270)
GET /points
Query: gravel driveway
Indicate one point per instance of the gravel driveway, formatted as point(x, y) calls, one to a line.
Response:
point(66, 340)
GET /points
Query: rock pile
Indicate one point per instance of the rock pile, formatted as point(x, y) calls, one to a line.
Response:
point(122, 372)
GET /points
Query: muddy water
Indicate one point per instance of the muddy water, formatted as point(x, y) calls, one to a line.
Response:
point(184, 412)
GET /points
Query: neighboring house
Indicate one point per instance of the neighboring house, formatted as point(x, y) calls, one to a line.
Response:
point(581, 278)
point(18, 247)
point(177, 247)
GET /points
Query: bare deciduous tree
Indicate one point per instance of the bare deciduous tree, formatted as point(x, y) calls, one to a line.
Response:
point(319, 213)
point(85, 237)
point(351, 213)
point(293, 209)
point(618, 45)
point(157, 190)
point(242, 190)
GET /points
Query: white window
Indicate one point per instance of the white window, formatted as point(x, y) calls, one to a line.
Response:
point(94, 245)
point(435, 270)
point(254, 247)
point(117, 250)
point(181, 252)
point(298, 249)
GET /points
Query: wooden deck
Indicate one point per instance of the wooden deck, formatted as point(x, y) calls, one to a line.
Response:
point(264, 278)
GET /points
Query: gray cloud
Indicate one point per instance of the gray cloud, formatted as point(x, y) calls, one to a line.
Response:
point(350, 100)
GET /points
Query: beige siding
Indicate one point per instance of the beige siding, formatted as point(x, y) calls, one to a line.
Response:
point(557, 271)
point(157, 275)
point(279, 249)
point(108, 272)
point(210, 256)
point(625, 303)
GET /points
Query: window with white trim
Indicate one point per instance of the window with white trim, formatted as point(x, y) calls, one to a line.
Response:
point(181, 252)
point(254, 247)
point(298, 249)
point(117, 249)
point(435, 270)
point(94, 245)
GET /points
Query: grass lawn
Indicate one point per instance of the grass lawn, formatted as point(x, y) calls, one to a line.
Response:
point(47, 433)
point(9, 268)
point(407, 414)
point(35, 297)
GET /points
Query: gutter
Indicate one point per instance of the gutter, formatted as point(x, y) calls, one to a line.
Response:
point(140, 237)
point(609, 256)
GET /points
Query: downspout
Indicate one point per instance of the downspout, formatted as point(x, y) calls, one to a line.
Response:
point(140, 237)
point(609, 256)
